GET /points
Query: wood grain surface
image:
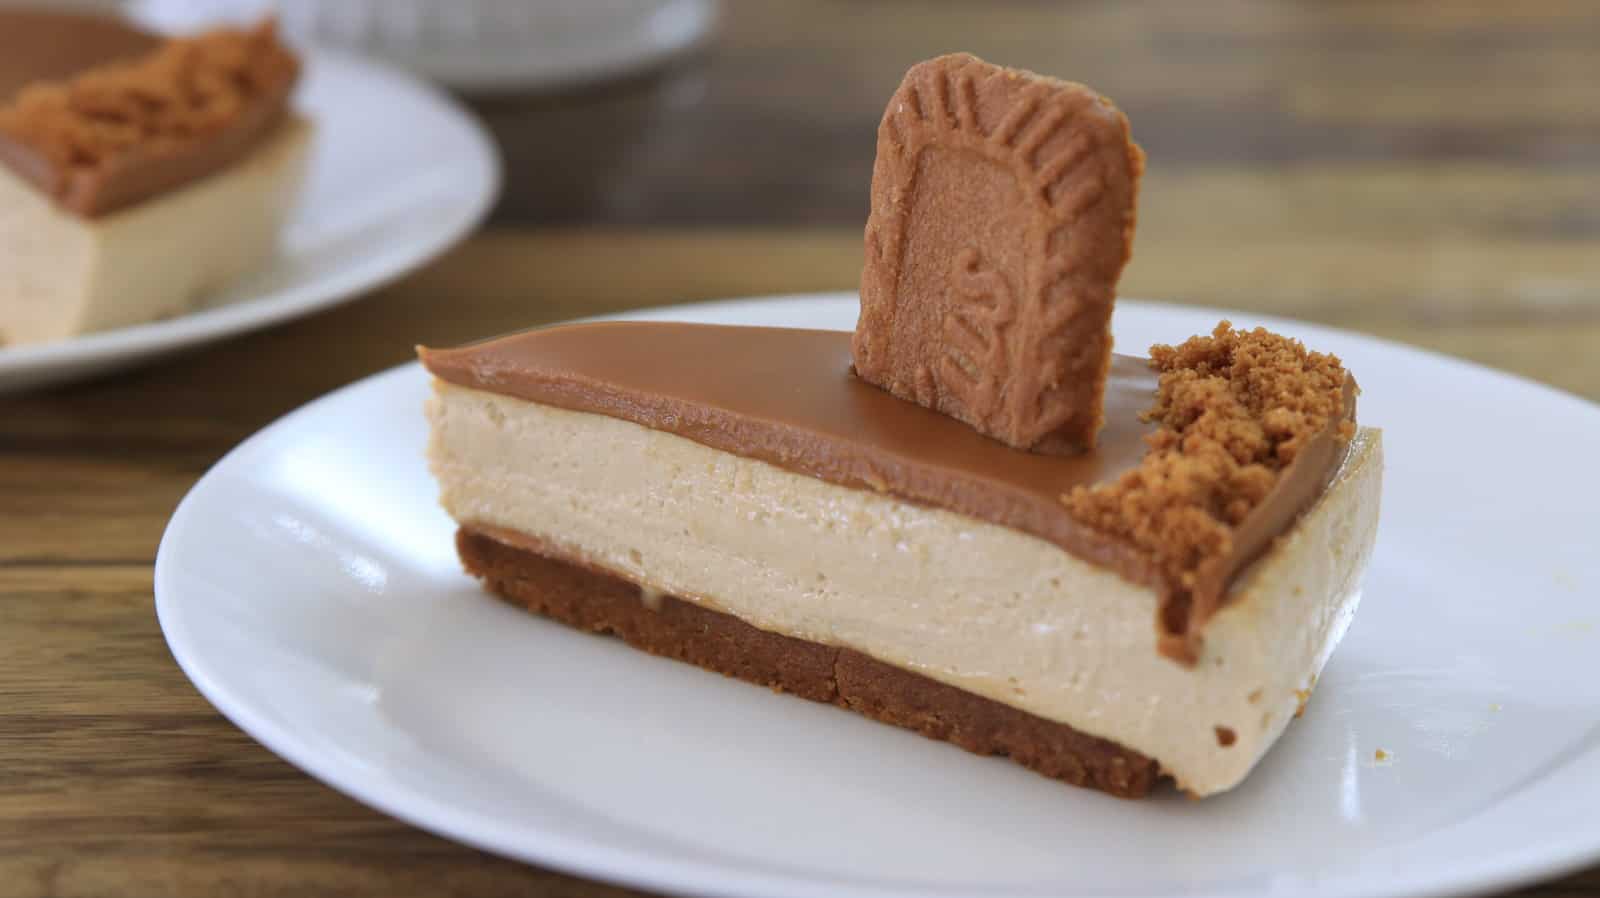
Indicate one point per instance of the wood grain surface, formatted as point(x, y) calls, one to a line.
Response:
point(1429, 174)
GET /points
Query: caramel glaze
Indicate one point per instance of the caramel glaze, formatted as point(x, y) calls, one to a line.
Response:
point(789, 398)
point(38, 46)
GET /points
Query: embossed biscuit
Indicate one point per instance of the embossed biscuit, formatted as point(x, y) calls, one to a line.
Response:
point(1002, 216)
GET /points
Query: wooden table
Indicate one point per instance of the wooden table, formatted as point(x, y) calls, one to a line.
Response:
point(1431, 176)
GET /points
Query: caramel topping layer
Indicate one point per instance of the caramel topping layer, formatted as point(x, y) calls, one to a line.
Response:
point(130, 129)
point(37, 46)
point(788, 397)
point(1246, 416)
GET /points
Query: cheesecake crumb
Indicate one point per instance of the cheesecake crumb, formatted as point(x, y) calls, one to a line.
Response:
point(187, 90)
point(1380, 756)
point(1234, 410)
point(1226, 736)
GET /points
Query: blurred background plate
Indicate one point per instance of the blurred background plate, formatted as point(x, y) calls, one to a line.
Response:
point(399, 172)
point(475, 45)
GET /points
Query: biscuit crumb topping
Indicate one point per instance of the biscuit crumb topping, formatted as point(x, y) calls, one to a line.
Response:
point(188, 90)
point(1234, 409)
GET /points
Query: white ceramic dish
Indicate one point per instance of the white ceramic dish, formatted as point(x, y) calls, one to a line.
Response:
point(309, 588)
point(483, 46)
point(399, 172)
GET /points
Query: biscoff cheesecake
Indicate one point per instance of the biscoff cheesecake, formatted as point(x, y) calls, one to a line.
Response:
point(969, 517)
point(153, 173)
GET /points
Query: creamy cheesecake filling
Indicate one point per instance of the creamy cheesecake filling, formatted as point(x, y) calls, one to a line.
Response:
point(983, 607)
point(62, 274)
point(788, 397)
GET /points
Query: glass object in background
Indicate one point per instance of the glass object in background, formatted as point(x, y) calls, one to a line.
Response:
point(476, 45)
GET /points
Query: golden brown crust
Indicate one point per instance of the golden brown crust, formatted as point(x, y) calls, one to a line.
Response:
point(591, 600)
point(1003, 208)
point(122, 132)
point(1236, 410)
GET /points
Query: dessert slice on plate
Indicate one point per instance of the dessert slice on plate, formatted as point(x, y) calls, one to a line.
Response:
point(149, 174)
point(969, 518)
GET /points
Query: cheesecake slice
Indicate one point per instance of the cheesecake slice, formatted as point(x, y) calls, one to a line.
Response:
point(968, 517)
point(151, 175)
point(738, 498)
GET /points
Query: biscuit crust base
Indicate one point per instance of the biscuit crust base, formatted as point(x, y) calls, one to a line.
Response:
point(597, 602)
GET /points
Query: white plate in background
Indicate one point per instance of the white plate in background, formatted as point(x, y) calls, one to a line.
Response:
point(398, 173)
point(309, 587)
point(481, 46)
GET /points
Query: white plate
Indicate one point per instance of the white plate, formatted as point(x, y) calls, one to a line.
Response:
point(476, 45)
point(398, 173)
point(309, 588)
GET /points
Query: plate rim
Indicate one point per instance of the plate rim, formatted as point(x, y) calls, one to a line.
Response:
point(496, 71)
point(1549, 858)
point(153, 338)
point(612, 62)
